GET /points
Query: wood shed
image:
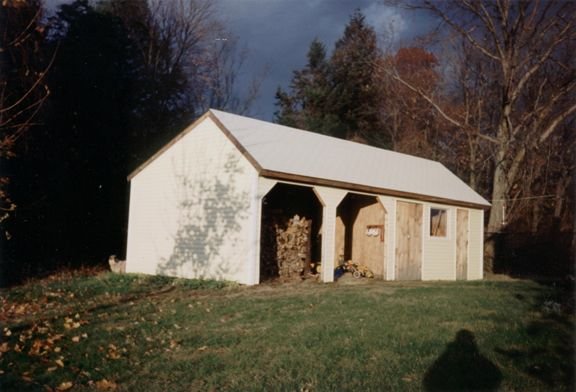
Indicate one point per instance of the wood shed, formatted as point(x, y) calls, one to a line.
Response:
point(245, 200)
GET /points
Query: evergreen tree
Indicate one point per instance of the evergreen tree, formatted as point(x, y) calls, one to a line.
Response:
point(287, 114)
point(307, 105)
point(339, 96)
point(356, 96)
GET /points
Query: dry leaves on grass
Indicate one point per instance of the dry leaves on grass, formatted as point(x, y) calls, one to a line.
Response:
point(65, 386)
point(38, 340)
point(38, 345)
point(10, 310)
point(105, 385)
point(72, 323)
point(114, 352)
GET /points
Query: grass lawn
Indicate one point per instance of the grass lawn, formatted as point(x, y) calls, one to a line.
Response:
point(131, 332)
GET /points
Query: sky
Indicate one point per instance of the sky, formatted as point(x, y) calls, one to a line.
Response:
point(277, 35)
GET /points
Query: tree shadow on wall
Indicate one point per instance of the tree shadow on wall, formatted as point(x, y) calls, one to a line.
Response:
point(462, 367)
point(210, 211)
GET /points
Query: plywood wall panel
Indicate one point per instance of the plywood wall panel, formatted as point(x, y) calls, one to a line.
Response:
point(408, 241)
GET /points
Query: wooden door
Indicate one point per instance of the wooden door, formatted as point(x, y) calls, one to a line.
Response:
point(408, 241)
point(461, 244)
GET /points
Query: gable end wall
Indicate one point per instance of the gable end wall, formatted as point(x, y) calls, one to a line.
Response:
point(190, 210)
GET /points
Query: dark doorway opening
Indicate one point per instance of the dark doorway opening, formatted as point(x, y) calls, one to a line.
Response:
point(290, 233)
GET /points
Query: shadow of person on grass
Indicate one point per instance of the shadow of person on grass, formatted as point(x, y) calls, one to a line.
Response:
point(461, 367)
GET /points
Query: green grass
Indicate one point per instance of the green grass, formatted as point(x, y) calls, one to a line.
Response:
point(130, 332)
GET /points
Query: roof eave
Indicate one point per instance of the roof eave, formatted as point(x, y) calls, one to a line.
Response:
point(368, 189)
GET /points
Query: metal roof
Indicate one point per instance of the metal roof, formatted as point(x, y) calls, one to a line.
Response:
point(286, 152)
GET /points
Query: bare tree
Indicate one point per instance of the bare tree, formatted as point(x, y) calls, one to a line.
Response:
point(523, 46)
point(226, 60)
point(23, 86)
point(412, 125)
point(189, 62)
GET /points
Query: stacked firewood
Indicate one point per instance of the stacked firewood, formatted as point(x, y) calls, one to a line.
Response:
point(293, 248)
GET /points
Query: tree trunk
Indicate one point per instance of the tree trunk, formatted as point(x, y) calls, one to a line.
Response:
point(496, 218)
point(500, 185)
point(473, 175)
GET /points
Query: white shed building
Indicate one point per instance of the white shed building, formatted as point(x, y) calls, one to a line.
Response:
point(200, 207)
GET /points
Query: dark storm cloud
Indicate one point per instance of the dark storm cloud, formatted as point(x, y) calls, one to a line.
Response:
point(278, 34)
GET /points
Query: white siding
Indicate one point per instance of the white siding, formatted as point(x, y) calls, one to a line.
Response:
point(389, 204)
point(476, 245)
point(439, 253)
point(191, 210)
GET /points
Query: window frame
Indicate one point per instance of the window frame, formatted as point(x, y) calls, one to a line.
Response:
point(447, 213)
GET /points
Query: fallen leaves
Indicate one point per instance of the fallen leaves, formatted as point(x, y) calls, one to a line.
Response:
point(115, 352)
point(105, 385)
point(64, 386)
point(11, 310)
point(74, 323)
point(51, 336)
point(38, 339)
point(70, 323)
point(174, 344)
point(26, 377)
point(38, 349)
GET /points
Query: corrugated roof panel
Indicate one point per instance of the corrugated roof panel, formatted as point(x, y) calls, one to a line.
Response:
point(288, 150)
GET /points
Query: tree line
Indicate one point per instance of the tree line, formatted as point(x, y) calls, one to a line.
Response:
point(490, 94)
point(87, 94)
point(91, 91)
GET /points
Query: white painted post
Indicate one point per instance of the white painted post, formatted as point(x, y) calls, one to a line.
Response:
point(328, 242)
point(389, 204)
point(330, 198)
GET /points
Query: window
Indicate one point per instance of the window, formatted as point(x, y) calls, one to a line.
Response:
point(438, 222)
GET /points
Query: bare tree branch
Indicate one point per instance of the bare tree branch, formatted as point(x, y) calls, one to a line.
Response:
point(460, 29)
